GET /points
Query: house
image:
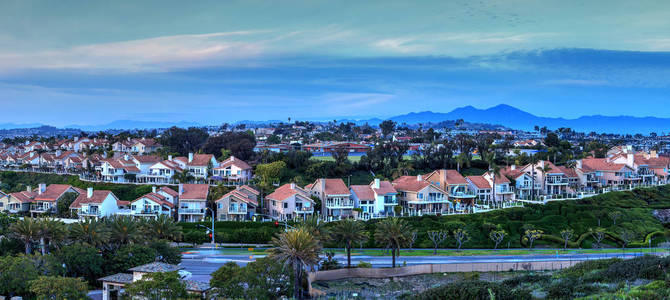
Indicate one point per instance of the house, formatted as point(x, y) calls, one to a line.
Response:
point(97, 204)
point(418, 196)
point(151, 205)
point(144, 145)
point(112, 286)
point(198, 165)
point(232, 169)
point(289, 202)
point(20, 201)
point(161, 172)
point(483, 187)
point(121, 169)
point(239, 204)
point(455, 185)
point(602, 172)
point(376, 200)
point(522, 182)
point(4, 201)
point(336, 202)
point(649, 166)
point(47, 197)
point(192, 202)
point(553, 179)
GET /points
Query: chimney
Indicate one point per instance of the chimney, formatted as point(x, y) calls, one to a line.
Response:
point(419, 177)
point(323, 185)
point(232, 158)
point(513, 167)
point(76, 138)
point(181, 189)
point(376, 183)
point(41, 188)
point(190, 157)
point(579, 164)
point(126, 157)
point(653, 154)
point(292, 186)
point(28, 189)
point(128, 139)
point(95, 140)
point(630, 158)
point(169, 157)
point(89, 192)
point(153, 189)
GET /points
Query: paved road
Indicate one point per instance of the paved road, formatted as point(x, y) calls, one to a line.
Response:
point(201, 263)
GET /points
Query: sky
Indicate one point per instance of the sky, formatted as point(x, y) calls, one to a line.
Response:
point(92, 62)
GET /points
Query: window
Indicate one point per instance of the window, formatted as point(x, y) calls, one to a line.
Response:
point(419, 195)
point(285, 205)
point(132, 207)
point(218, 205)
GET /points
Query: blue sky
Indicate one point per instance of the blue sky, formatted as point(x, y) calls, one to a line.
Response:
point(86, 62)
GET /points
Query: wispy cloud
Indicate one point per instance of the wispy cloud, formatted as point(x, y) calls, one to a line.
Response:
point(576, 82)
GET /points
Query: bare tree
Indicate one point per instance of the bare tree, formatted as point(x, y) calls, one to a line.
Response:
point(412, 240)
point(567, 235)
point(497, 236)
point(461, 236)
point(532, 235)
point(615, 215)
point(598, 235)
point(627, 236)
point(437, 237)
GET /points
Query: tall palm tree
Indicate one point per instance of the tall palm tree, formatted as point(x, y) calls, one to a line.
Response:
point(27, 230)
point(315, 227)
point(544, 169)
point(123, 229)
point(403, 169)
point(163, 228)
point(90, 231)
point(298, 249)
point(184, 177)
point(461, 160)
point(533, 162)
point(394, 233)
point(348, 232)
point(495, 172)
point(50, 230)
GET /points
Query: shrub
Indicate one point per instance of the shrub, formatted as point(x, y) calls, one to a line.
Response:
point(364, 264)
point(472, 290)
point(585, 267)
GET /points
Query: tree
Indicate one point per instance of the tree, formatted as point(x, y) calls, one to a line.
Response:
point(315, 227)
point(341, 155)
point(128, 256)
point(158, 285)
point(228, 280)
point(412, 240)
point(297, 249)
point(59, 288)
point(393, 233)
point(533, 162)
point(123, 229)
point(270, 173)
point(27, 230)
point(184, 141)
point(265, 278)
point(461, 236)
point(63, 204)
point(50, 230)
point(81, 260)
point(615, 215)
point(567, 235)
point(163, 228)
point(598, 235)
point(240, 143)
point(531, 235)
point(497, 236)
point(15, 273)
point(183, 177)
point(626, 237)
point(387, 127)
point(437, 237)
point(90, 231)
point(348, 232)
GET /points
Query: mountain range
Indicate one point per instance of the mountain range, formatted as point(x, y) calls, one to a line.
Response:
point(502, 114)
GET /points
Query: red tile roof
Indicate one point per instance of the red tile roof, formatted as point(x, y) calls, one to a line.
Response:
point(199, 160)
point(600, 164)
point(409, 183)
point(334, 186)
point(363, 192)
point(24, 197)
point(385, 187)
point(480, 182)
point(242, 194)
point(233, 161)
point(285, 191)
point(155, 197)
point(169, 191)
point(194, 192)
point(53, 192)
point(98, 197)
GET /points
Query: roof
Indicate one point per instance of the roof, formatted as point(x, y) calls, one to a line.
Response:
point(569, 172)
point(118, 278)
point(242, 194)
point(53, 192)
point(169, 191)
point(24, 197)
point(250, 189)
point(500, 178)
point(196, 286)
point(334, 186)
point(199, 160)
point(194, 192)
point(99, 196)
point(233, 161)
point(363, 192)
point(410, 183)
point(287, 190)
point(385, 187)
point(552, 167)
point(156, 267)
point(600, 164)
point(155, 197)
point(514, 174)
point(147, 159)
point(480, 182)
point(451, 176)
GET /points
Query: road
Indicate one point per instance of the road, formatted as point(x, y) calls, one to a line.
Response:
point(202, 262)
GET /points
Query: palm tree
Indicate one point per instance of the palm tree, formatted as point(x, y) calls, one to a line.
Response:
point(348, 232)
point(298, 249)
point(163, 228)
point(461, 159)
point(27, 230)
point(544, 169)
point(394, 233)
point(495, 172)
point(403, 169)
point(89, 231)
point(50, 230)
point(533, 162)
point(123, 229)
point(315, 227)
point(183, 177)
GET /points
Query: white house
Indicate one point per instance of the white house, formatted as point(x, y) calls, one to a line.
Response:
point(192, 202)
point(376, 199)
point(97, 204)
point(232, 169)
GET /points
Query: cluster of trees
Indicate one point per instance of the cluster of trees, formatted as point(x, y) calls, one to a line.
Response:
point(47, 259)
point(180, 141)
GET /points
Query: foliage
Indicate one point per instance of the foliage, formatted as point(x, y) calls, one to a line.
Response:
point(159, 285)
point(81, 260)
point(348, 232)
point(330, 263)
point(59, 288)
point(472, 289)
point(16, 272)
point(63, 205)
point(393, 233)
point(265, 278)
point(297, 249)
point(240, 143)
point(184, 141)
point(129, 256)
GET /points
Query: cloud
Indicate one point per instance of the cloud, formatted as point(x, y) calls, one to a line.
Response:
point(576, 82)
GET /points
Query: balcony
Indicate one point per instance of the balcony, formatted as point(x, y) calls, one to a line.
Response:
point(40, 208)
point(90, 213)
point(557, 181)
point(191, 211)
point(304, 210)
point(340, 204)
point(393, 201)
point(234, 210)
point(462, 194)
point(645, 172)
point(504, 191)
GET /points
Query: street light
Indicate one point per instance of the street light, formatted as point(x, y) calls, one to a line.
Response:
point(210, 229)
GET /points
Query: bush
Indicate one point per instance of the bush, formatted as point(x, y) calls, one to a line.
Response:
point(472, 290)
point(646, 267)
point(586, 267)
point(364, 264)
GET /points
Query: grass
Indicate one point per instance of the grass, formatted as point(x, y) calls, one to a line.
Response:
point(464, 252)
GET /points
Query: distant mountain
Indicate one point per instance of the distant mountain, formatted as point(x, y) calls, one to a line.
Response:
point(515, 118)
point(15, 126)
point(127, 124)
